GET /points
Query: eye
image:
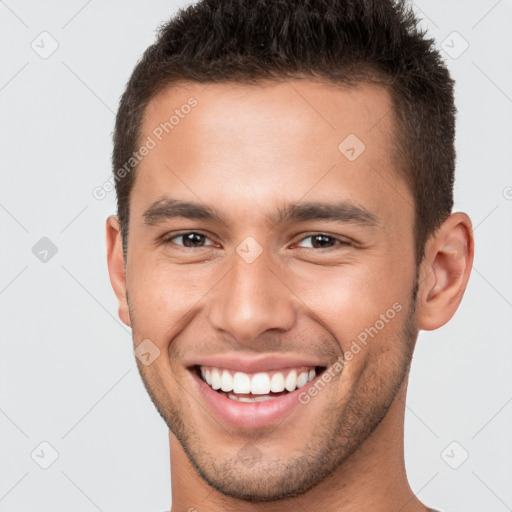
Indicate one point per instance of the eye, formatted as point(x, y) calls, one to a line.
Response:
point(321, 241)
point(190, 239)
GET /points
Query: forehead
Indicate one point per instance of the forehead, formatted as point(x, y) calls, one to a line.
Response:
point(276, 141)
point(299, 107)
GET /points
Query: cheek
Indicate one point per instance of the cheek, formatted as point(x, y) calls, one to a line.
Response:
point(356, 302)
point(163, 297)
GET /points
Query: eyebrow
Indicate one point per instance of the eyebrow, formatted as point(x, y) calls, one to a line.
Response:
point(343, 211)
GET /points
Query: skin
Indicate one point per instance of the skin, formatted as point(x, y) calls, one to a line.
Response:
point(246, 151)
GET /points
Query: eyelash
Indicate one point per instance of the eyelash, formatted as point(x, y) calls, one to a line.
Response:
point(341, 242)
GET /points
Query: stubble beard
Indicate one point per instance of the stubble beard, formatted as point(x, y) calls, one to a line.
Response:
point(339, 433)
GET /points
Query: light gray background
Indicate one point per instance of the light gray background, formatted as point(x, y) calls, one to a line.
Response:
point(67, 370)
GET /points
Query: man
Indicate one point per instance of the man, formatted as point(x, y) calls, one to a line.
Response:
point(284, 175)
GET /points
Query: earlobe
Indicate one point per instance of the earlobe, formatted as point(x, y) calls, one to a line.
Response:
point(445, 271)
point(116, 267)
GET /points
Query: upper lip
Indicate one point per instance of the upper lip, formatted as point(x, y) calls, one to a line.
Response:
point(262, 363)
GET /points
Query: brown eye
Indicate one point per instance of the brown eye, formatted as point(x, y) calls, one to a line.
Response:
point(190, 239)
point(321, 241)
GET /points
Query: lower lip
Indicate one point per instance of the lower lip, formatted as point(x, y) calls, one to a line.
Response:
point(246, 414)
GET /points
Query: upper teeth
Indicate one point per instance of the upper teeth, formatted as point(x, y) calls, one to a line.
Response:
point(257, 383)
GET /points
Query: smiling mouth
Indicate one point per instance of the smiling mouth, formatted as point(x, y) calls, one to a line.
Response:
point(256, 387)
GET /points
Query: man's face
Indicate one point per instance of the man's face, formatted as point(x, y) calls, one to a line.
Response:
point(296, 246)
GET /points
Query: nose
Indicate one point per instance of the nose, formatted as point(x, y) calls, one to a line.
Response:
point(251, 299)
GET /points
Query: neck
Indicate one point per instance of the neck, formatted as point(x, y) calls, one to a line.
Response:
point(372, 478)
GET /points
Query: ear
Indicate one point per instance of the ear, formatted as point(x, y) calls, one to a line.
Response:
point(444, 271)
point(116, 268)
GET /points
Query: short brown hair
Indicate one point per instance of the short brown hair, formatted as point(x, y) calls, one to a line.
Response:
point(340, 41)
